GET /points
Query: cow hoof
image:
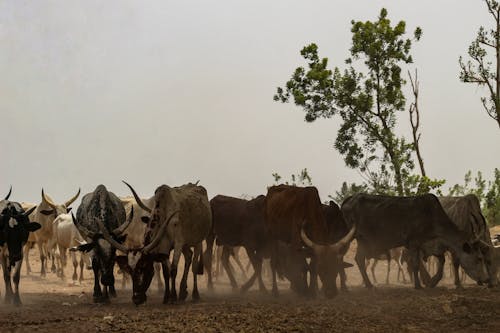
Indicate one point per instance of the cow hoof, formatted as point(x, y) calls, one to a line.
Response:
point(183, 295)
point(196, 296)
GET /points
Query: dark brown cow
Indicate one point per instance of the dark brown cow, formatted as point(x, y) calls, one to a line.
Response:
point(239, 222)
point(288, 209)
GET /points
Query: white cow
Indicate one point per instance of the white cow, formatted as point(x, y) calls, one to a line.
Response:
point(45, 213)
point(66, 236)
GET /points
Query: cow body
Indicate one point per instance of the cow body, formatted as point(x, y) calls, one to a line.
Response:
point(465, 213)
point(386, 222)
point(179, 220)
point(14, 232)
point(289, 211)
point(239, 222)
point(100, 219)
point(66, 236)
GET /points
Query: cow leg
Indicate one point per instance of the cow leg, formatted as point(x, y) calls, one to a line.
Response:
point(42, 258)
point(236, 257)
point(456, 265)
point(188, 259)
point(173, 273)
point(51, 251)
point(400, 267)
point(273, 273)
point(360, 259)
point(372, 269)
point(17, 276)
point(6, 278)
point(415, 263)
point(256, 262)
point(313, 275)
point(227, 266)
point(439, 271)
point(388, 254)
point(208, 258)
point(197, 269)
point(218, 264)
point(343, 279)
point(27, 248)
point(159, 282)
point(165, 267)
point(82, 263)
point(75, 266)
point(97, 285)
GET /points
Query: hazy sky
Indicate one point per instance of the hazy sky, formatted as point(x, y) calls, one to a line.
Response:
point(168, 92)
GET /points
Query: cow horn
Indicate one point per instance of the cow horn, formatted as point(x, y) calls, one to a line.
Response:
point(344, 241)
point(107, 236)
point(29, 211)
point(119, 231)
point(70, 201)
point(81, 229)
point(197, 182)
point(48, 201)
point(8, 194)
point(159, 234)
point(308, 241)
point(137, 199)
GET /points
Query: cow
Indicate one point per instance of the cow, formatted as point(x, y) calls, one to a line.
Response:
point(180, 219)
point(45, 214)
point(289, 211)
point(66, 236)
point(101, 220)
point(14, 230)
point(395, 254)
point(465, 213)
point(135, 232)
point(239, 222)
point(385, 222)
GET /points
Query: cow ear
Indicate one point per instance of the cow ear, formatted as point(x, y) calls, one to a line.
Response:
point(84, 247)
point(145, 219)
point(467, 248)
point(33, 226)
point(346, 264)
point(160, 257)
point(47, 212)
point(68, 209)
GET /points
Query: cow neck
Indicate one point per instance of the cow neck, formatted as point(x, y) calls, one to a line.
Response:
point(451, 236)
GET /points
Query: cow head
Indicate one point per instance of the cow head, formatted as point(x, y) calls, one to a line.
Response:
point(329, 259)
point(474, 261)
point(103, 245)
point(15, 228)
point(55, 209)
point(291, 264)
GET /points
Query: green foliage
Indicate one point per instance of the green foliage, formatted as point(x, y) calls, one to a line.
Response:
point(347, 190)
point(488, 193)
point(300, 179)
point(366, 99)
point(479, 68)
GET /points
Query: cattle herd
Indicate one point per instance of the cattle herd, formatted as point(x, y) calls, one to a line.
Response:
point(305, 240)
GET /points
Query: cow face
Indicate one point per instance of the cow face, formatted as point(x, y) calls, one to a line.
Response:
point(140, 266)
point(328, 264)
point(56, 209)
point(292, 264)
point(103, 256)
point(14, 230)
point(473, 260)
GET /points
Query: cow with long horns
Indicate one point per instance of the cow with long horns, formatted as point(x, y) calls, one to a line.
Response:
point(45, 214)
point(14, 230)
point(295, 217)
point(101, 220)
point(180, 220)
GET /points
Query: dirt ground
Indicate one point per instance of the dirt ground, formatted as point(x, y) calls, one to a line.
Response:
point(53, 305)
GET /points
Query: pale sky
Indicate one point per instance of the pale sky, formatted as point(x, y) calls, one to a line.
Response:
point(166, 92)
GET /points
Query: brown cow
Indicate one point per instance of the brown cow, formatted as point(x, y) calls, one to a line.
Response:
point(288, 209)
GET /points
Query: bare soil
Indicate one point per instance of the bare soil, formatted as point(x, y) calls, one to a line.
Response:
point(53, 305)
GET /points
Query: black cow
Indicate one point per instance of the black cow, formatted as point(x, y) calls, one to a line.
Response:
point(14, 231)
point(101, 221)
point(239, 222)
point(386, 222)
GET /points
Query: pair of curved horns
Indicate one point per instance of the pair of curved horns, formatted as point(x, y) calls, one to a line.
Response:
point(333, 247)
point(66, 204)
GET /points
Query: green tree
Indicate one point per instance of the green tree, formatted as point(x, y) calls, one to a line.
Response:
point(479, 68)
point(366, 99)
point(346, 190)
point(302, 178)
